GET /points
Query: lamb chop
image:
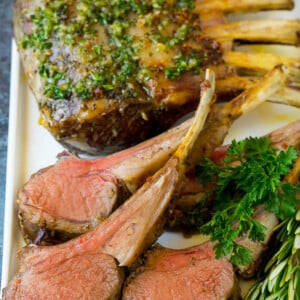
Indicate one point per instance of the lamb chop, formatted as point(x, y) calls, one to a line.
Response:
point(76, 194)
point(107, 76)
point(91, 260)
point(192, 273)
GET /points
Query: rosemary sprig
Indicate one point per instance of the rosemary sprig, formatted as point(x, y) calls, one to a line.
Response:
point(282, 272)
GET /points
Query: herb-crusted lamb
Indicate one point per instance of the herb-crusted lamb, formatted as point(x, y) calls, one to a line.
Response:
point(111, 73)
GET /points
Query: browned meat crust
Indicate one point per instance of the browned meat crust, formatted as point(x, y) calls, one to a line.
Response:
point(135, 107)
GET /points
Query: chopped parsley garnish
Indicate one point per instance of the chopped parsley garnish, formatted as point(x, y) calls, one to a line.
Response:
point(251, 175)
point(183, 64)
point(67, 34)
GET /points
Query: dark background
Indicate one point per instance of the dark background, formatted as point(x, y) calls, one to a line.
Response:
point(5, 50)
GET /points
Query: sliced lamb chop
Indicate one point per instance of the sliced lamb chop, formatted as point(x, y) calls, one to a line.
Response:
point(192, 273)
point(76, 194)
point(123, 236)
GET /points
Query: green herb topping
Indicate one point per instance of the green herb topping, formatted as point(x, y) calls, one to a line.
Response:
point(98, 40)
point(252, 175)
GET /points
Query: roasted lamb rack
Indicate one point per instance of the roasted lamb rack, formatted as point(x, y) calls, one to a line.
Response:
point(107, 76)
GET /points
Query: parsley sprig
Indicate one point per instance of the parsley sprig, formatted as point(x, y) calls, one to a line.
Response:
point(251, 175)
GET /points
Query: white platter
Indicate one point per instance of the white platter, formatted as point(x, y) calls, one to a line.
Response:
point(30, 148)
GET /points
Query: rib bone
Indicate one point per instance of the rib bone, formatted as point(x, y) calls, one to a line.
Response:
point(289, 95)
point(222, 119)
point(273, 31)
point(234, 6)
point(262, 62)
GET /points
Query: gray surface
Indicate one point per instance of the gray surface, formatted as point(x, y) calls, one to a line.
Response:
point(5, 49)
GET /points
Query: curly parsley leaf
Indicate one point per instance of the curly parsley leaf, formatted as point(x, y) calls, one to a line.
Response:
point(251, 175)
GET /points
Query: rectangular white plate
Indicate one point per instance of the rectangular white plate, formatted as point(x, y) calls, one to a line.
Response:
point(31, 147)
